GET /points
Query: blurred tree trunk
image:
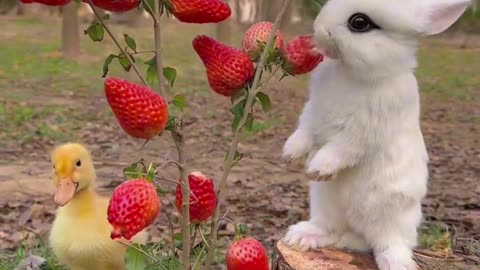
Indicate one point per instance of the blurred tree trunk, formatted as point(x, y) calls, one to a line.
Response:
point(23, 9)
point(70, 31)
point(224, 31)
point(132, 18)
point(259, 10)
point(272, 8)
point(238, 11)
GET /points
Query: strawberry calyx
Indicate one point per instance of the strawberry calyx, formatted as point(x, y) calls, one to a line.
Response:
point(241, 231)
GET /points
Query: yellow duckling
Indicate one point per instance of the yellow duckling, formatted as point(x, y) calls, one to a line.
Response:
point(80, 235)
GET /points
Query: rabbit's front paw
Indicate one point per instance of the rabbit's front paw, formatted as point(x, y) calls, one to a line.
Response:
point(324, 163)
point(396, 258)
point(307, 235)
point(297, 145)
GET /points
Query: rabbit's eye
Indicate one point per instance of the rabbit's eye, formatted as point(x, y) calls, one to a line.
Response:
point(361, 23)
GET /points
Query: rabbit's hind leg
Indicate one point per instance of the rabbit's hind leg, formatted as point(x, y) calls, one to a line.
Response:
point(392, 235)
point(327, 220)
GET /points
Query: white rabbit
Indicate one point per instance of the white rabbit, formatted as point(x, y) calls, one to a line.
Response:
point(362, 123)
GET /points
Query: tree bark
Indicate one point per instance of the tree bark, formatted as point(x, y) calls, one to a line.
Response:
point(285, 258)
point(70, 31)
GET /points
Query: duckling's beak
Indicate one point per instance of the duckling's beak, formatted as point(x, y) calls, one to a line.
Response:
point(65, 191)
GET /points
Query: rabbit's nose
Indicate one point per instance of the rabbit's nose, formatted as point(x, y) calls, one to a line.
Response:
point(324, 40)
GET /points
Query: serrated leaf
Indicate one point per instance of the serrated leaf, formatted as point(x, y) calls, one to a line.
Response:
point(170, 74)
point(95, 32)
point(130, 42)
point(249, 123)
point(179, 101)
point(124, 62)
point(264, 100)
point(134, 258)
point(107, 62)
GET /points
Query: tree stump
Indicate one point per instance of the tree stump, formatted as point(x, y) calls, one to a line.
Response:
point(285, 258)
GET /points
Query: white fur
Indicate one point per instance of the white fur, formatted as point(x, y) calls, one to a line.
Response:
point(362, 122)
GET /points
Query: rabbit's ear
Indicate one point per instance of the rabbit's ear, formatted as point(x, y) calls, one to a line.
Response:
point(439, 15)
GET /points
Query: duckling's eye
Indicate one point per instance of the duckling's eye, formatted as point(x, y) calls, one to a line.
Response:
point(53, 167)
point(79, 163)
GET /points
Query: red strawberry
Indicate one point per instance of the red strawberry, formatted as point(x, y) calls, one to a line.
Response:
point(200, 11)
point(203, 198)
point(115, 5)
point(134, 206)
point(141, 112)
point(301, 55)
point(47, 2)
point(246, 253)
point(228, 69)
point(260, 32)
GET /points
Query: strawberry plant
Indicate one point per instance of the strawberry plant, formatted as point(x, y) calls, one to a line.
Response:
point(240, 75)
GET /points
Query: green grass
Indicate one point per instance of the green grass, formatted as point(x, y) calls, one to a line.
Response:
point(449, 72)
point(436, 237)
point(9, 260)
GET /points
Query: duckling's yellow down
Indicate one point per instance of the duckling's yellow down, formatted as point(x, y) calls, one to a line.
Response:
point(80, 235)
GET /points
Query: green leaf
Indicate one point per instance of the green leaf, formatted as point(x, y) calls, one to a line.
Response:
point(148, 5)
point(152, 78)
point(95, 32)
point(123, 60)
point(151, 172)
point(130, 42)
point(249, 123)
point(237, 111)
point(134, 258)
point(264, 100)
point(178, 238)
point(179, 101)
point(172, 123)
point(136, 170)
point(161, 191)
point(107, 62)
point(170, 74)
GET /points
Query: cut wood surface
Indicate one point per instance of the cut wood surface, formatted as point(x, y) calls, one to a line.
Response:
point(323, 259)
point(285, 258)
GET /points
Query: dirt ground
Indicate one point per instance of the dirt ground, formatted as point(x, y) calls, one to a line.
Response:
point(263, 191)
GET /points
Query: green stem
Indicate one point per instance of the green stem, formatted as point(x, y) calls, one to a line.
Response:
point(237, 137)
point(129, 57)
